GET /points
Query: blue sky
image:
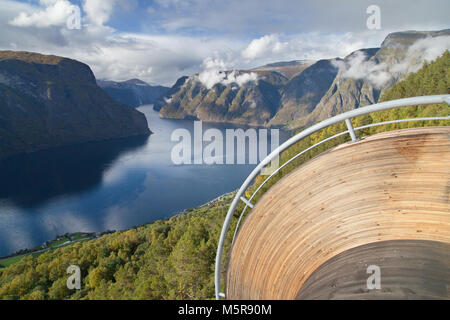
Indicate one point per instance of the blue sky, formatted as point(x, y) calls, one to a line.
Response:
point(161, 40)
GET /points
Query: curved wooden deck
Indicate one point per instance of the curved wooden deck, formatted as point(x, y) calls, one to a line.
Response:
point(390, 186)
point(410, 269)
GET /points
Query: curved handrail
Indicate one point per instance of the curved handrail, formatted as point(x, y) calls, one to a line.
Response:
point(319, 143)
point(347, 116)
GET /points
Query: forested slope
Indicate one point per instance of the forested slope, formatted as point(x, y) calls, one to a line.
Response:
point(168, 259)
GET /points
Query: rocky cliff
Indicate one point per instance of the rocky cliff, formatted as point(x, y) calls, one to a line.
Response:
point(48, 101)
point(302, 93)
point(254, 103)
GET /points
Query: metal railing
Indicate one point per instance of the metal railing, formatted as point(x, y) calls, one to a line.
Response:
point(346, 117)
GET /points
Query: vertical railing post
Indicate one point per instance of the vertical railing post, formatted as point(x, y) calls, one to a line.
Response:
point(351, 130)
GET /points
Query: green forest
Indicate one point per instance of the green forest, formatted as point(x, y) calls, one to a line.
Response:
point(174, 258)
point(167, 259)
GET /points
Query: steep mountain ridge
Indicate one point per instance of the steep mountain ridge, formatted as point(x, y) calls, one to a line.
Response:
point(344, 94)
point(254, 103)
point(162, 100)
point(303, 92)
point(49, 101)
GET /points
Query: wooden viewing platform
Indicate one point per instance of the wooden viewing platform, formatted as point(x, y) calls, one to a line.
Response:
point(387, 187)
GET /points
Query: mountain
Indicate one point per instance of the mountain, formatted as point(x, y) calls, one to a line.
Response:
point(304, 91)
point(254, 103)
point(408, 38)
point(298, 93)
point(393, 61)
point(132, 93)
point(162, 100)
point(48, 101)
point(343, 94)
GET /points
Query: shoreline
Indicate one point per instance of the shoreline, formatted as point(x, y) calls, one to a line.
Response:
point(56, 242)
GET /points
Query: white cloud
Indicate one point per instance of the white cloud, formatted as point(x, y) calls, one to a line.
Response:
point(211, 77)
point(240, 78)
point(307, 46)
point(111, 54)
point(256, 17)
point(55, 13)
point(430, 48)
point(157, 55)
point(157, 59)
point(99, 11)
point(427, 49)
point(215, 72)
point(263, 46)
point(359, 66)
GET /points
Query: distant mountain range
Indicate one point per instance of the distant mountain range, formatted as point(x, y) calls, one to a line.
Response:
point(48, 101)
point(298, 93)
point(134, 92)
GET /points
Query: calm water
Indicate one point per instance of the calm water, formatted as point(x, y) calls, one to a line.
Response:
point(110, 185)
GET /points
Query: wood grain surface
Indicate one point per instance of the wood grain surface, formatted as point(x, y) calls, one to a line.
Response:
point(409, 269)
point(389, 186)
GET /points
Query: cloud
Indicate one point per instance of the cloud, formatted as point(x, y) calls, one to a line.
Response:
point(240, 78)
point(157, 59)
point(55, 13)
point(358, 66)
point(99, 11)
point(306, 46)
point(209, 78)
point(427, 49)
point(114, 55)
point(263, 46)
point(256, 17)
point(380, 74)
point(177, 36)
point(215, 72)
